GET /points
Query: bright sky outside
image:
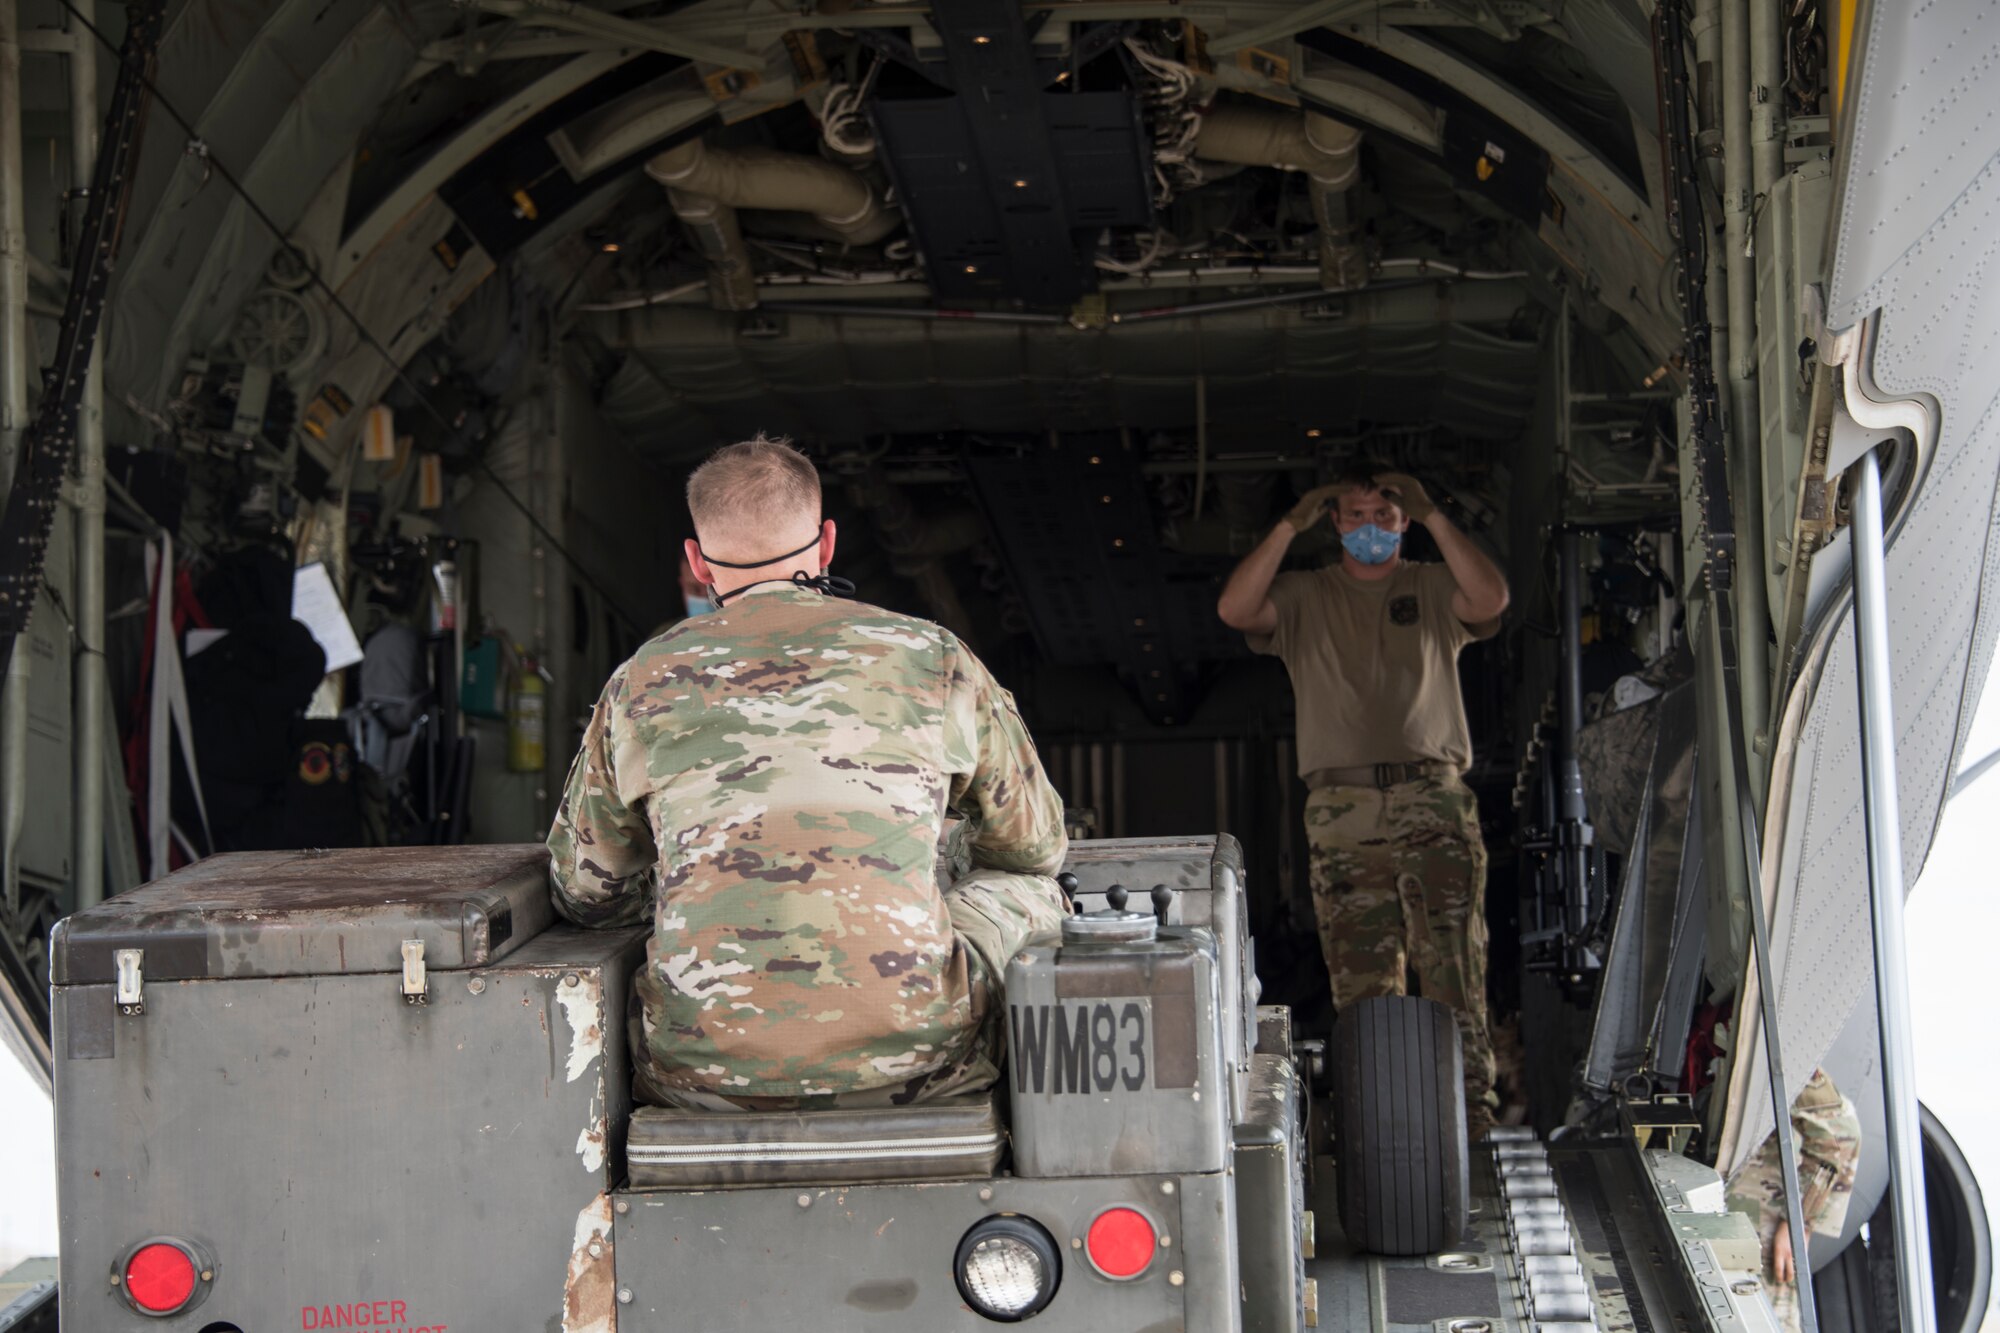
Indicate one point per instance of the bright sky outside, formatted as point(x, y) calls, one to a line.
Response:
point(1954, 922)
point(27, 1165)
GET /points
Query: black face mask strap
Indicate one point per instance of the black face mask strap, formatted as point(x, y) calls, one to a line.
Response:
point(759, 564)
point(831, 585)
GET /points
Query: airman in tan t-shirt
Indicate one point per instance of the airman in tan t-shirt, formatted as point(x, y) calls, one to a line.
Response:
point(1398, 868)
point(1374, 665)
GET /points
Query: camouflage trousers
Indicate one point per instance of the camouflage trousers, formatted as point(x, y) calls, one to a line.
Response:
point(1399, 886)
point(993, 912)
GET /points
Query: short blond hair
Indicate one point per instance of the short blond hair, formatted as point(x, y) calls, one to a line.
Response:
point(753, 486)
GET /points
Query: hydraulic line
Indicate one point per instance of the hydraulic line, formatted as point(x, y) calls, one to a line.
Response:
point(1883, 823)
point(14, 354)
point(93, 690)
point(1687, 225)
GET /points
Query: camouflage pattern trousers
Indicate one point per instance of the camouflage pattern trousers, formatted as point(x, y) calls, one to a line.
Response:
point(993, 912)
point(1399, 886)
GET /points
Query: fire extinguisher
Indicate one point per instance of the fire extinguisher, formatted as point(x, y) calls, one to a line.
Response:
point(527, 717)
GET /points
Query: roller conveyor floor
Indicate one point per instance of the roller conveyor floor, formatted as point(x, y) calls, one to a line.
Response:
point(1560, 1241)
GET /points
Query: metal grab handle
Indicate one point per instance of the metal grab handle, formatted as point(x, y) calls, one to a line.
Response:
point(1882, 819)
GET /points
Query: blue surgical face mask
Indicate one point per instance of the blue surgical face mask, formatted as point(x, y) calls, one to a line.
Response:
point(1371, 545)
point(697, 606)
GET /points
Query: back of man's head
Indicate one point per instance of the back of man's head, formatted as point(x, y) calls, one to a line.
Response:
point(754, 499)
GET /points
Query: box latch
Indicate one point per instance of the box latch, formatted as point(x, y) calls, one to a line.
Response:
point(416, 988)
point(131, 965)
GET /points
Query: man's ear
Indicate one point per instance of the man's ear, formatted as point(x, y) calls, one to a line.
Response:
point(826, 539)
point(696, 563)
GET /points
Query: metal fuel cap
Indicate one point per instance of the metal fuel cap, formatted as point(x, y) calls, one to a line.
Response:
point(1114, 925)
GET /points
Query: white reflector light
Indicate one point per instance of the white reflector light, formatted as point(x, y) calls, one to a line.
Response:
point(1007, 1268)
point(1003, 1275)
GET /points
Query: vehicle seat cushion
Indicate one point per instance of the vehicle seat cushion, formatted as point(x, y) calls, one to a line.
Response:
point(949, 1139)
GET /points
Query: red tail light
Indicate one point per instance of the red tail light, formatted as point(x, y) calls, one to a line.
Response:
point(1121, 1242)
point(160, 1277)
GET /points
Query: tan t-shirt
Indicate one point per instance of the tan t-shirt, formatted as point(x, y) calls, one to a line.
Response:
point(1374, 665)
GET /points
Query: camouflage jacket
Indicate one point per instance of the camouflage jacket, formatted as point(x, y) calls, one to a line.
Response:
point(770, 781)
point(1828, 1134)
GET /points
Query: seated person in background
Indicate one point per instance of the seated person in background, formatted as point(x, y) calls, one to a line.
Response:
point(769, 781)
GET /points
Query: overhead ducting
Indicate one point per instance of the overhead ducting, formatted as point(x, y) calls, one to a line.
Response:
point(1325, 149)
point(707, 185)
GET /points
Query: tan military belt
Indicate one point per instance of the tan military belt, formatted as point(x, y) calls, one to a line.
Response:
point(1378, 775)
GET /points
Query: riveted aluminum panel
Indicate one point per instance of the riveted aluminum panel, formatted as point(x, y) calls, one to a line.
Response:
point(1917, 214)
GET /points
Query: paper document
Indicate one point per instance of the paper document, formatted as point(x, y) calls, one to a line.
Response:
point(317, 606)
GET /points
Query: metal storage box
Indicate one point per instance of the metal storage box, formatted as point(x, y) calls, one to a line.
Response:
point(370, 1089)
point(1206, 874)
point(1114, 1052)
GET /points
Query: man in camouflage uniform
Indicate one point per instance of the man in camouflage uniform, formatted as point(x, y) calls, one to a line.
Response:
point(1828, 1134)
point(1397, 865)
point(769, 781)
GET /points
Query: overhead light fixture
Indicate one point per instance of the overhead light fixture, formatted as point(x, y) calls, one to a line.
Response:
point(972, 268)
point(1020, 185)
point(981, 41)
point(609, 247)
point(1313, 434)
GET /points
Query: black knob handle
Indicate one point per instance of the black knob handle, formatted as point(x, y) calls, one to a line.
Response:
point(1067, 883)
point(1116, 896)
point(1163, 898)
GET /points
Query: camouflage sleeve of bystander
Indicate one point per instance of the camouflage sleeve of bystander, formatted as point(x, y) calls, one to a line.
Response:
point(1829, 1134)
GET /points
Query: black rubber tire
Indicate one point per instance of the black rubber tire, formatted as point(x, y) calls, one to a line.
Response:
point(1843, 1292)
point(1961, 1240)
point(1400, 1151)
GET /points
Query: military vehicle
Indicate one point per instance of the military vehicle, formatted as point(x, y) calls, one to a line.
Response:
point(356, 352)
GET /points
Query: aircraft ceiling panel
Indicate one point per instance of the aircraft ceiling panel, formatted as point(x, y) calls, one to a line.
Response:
point(279, 93)
point(683, 387)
